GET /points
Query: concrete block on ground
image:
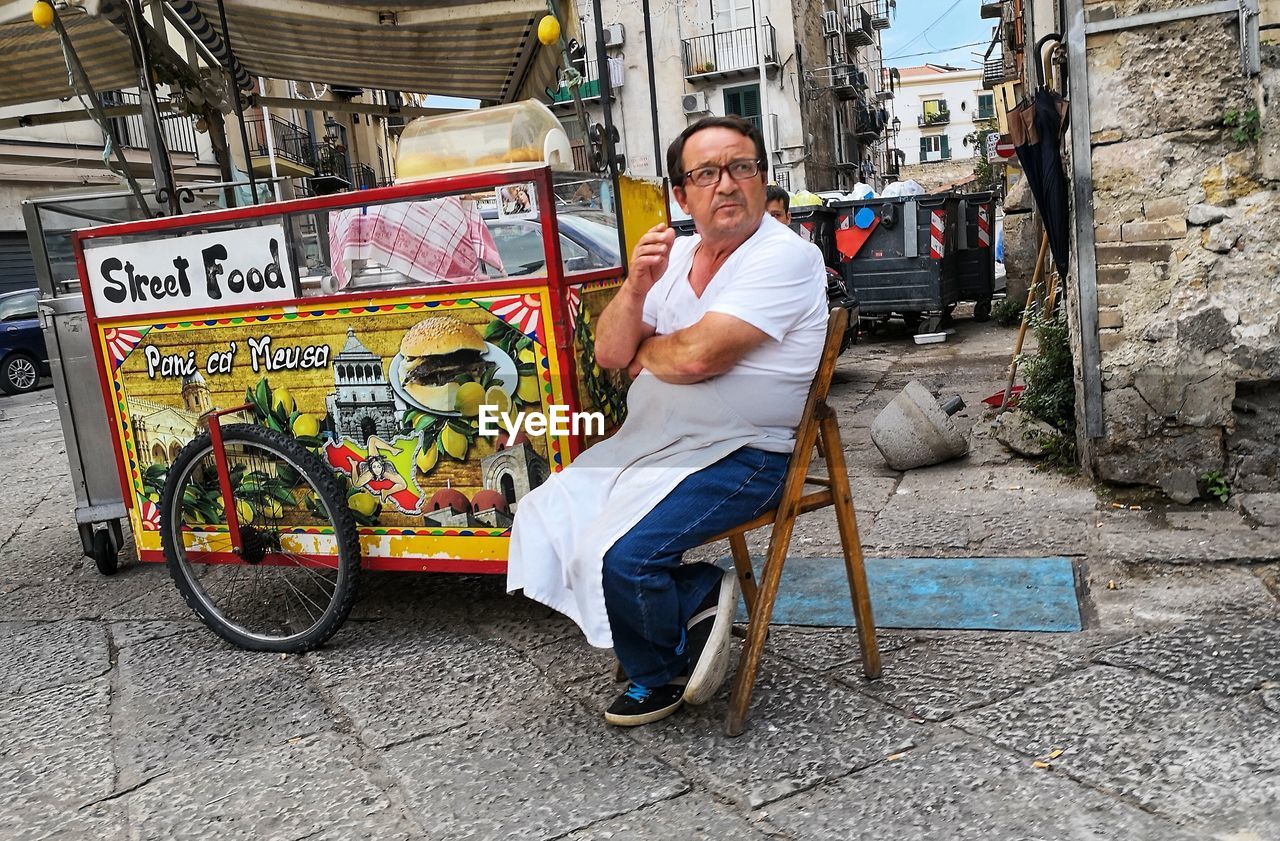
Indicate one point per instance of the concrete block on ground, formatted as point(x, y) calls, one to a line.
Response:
point(914, 431)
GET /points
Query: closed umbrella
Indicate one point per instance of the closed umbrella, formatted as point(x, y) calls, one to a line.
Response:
point(1035, 127)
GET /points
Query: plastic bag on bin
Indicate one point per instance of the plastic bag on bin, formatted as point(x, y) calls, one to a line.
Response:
point(903, 188)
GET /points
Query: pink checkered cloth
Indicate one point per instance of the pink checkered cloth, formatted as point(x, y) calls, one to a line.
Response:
point(433, 241)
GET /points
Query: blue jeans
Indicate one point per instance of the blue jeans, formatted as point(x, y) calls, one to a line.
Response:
point(650, 596)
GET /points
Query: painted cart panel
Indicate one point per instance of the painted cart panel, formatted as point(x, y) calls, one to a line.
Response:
point(428, 491)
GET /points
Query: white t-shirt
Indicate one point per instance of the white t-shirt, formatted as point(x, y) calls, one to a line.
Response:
point(776, 282)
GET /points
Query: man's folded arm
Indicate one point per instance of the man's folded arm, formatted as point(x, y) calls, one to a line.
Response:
point(706, 349)
point(621, 329)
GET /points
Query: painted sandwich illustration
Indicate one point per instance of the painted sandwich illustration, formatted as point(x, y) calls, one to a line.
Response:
point(439, 354)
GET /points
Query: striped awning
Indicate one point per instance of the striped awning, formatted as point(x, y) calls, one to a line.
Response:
point(479, 50)
point(32, 66)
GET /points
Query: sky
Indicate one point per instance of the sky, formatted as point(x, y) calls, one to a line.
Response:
point(936, 28)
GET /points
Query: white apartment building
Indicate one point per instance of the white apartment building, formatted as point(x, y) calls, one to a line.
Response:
point(939, 107)
point(809, 73)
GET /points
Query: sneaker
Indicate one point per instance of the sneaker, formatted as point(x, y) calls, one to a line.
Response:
point(709, 633)
point(639, 705)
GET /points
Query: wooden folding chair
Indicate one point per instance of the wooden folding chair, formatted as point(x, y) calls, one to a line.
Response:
point(818, 427)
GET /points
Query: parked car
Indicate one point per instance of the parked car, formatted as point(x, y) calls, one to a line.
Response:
point(588, 240)
point(23, 358)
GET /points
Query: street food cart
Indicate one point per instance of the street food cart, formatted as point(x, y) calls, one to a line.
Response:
point(285, 380)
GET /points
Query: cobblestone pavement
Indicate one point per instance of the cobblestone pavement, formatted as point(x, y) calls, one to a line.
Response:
point(445, 709)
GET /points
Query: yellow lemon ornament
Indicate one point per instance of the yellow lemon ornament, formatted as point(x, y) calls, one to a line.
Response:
point(244, 512)
point(426, 459)
point(454, 443)
point(42, 16)
point(470, 395)
point(362, 503)
point(306, 426)
point(528, 390)
point(548, 30)
point(498, 399)
point(281, 399)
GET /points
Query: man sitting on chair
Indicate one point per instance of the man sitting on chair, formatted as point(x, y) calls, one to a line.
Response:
point(722, 334)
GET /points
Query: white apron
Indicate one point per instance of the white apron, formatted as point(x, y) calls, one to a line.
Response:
point(564, 527)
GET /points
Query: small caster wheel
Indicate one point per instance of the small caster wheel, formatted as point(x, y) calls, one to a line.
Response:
point(982, 310)
point(106, 552)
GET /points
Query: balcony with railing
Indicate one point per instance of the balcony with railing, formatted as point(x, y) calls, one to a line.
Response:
point(869, 123)
point(934, 117)
point(893, 163)
point(997, 71)
point(332, 171)
point(733, 52)
point(879, 10)
point(588, 88)
point(292, 145)
point(859, 30)
point(177, 130)
point(849, 83)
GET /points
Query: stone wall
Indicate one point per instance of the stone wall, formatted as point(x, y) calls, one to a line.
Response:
point(936, 174)
point(1187, 223)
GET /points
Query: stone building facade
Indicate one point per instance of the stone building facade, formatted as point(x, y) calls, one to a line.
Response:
point(1187, 253)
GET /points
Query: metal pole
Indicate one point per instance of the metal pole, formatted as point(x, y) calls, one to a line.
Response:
point(271, 144)
point(653, 88)
point(606, 104)
point(161, 167)
point(235, 96)
point(96, 107)
point(769, 142)
point(1086, 258)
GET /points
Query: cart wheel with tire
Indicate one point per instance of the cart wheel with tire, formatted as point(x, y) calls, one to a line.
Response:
point(106, 551)
point(258, 538)
point(19, 373)
point(982, 310)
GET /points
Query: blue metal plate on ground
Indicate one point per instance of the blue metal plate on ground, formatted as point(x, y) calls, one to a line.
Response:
point(998, 594)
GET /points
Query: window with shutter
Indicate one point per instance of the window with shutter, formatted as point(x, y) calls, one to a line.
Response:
point(744, 101)
point(924, 149)
point(946, 147)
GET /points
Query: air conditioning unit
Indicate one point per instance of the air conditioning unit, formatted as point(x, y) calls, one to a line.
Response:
point(830, 23)
point(695, 103)
point(614, 35)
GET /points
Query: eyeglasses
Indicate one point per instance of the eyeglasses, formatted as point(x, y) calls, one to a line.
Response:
point(740, 170)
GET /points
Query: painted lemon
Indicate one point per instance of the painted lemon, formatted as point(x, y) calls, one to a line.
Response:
point(426, 459)
point(498, 399)
point(548, 30)
point(362, 503)
point(272, 509)
point(282, 401)
point(244, 511)
point(454, 442)
point(469, 398)
point(528, 390)
point(306, 426)
point(527, 355)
